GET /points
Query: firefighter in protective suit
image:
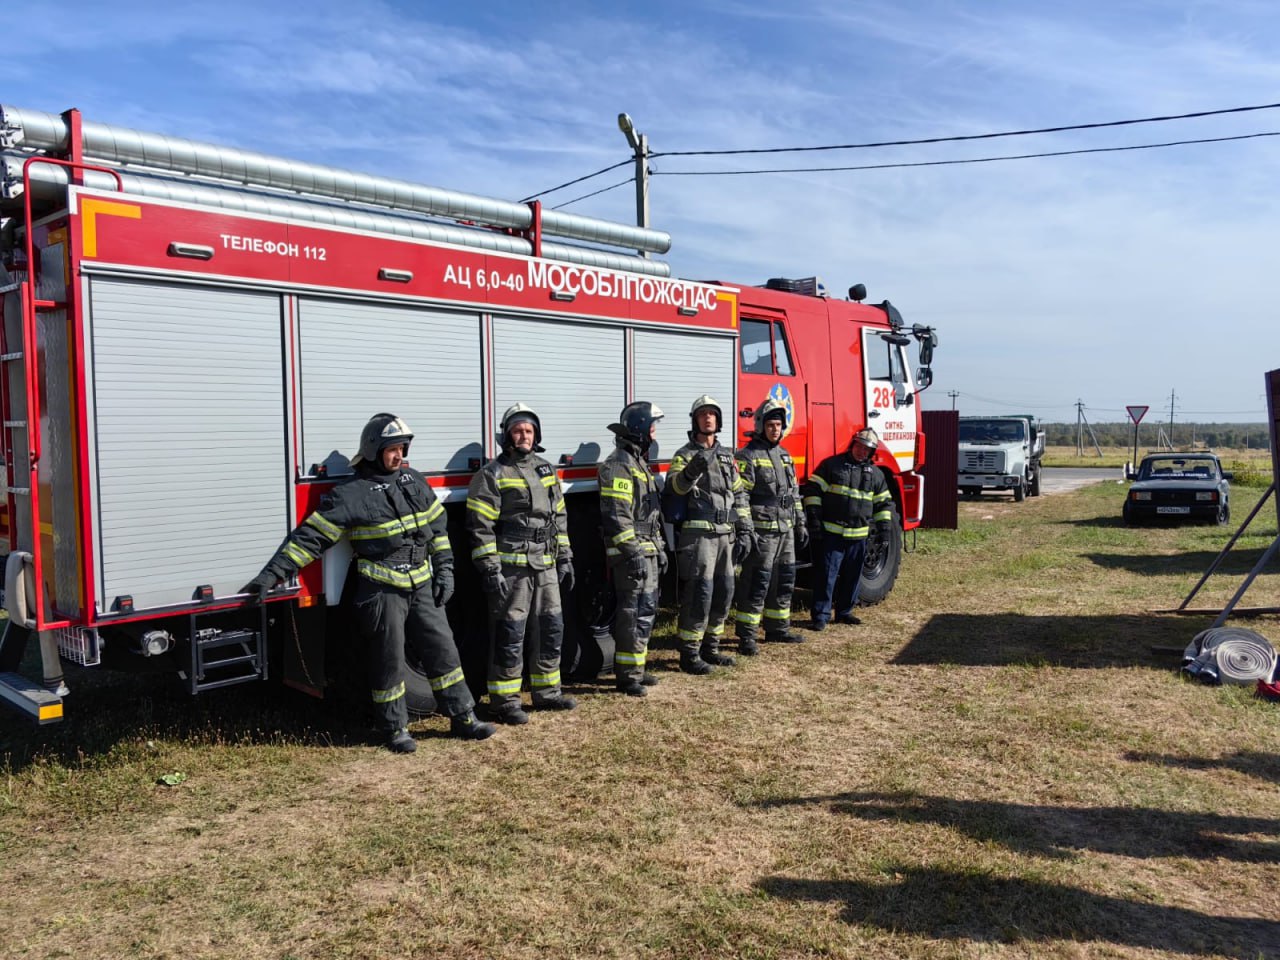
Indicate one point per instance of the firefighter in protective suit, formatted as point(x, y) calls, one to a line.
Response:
point(396, 527)
point(768, 577)
point(631, 520)
point(711, 511)
point(516, 524)
point(843, 498)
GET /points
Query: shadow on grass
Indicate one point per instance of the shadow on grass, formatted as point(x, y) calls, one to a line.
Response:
point(1264, 766)
point(1238, 562)
point(1112, 522)
point(1059, 832)
point(979, 907)
point(1063, 641)
point(110, 708)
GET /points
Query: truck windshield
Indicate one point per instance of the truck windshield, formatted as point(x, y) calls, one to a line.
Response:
point(992, 431)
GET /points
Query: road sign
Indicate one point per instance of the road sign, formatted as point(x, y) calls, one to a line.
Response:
point(1137, 413)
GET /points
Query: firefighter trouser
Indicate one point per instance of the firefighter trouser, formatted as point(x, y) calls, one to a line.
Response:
point(704, 562)
point(391, 619)
point(637, 606)
point(765, 585)
point(833, 555)
point(533, 593)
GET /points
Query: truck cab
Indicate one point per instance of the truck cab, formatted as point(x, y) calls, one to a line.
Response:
point(1000, 453)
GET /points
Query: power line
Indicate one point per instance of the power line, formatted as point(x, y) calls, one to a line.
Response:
point(595, 193)
point(972, 136)
point(1006, 403)
point(570, 183)
point(926, 140)
point(949, 163)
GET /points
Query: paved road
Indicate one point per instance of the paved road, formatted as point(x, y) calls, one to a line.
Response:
point(1066, 479)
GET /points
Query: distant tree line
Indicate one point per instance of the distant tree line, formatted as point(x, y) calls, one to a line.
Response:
point(1224, 436)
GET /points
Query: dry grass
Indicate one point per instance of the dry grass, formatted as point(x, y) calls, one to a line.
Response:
point(994, 765)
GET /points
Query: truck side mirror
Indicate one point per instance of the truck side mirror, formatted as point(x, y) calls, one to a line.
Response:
point(924, 377)
point(928, 339)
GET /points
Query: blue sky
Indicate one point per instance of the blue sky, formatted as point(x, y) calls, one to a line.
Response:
point(1110, 278)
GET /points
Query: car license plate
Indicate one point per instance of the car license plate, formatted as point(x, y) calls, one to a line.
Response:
point(1173, 509)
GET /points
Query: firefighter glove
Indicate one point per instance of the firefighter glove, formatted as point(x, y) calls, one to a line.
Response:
point(663, 560)
point(262, 583)
point(564, 570)
point(802, 537)
point(744, 545)
point(442, 585)
point(637, 567)
point(496, 584)
point(695, 467)
point(882, 529)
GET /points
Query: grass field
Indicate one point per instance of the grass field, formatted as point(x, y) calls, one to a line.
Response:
point(995, 764)
point(1252, 466)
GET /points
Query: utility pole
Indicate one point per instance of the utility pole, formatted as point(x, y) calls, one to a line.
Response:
point(1079, 428)
point(640, 144)
point(1172, 397)
point(953, 394)
point(1092, 436)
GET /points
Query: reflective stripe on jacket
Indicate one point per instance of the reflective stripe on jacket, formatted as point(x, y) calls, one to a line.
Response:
point(396, 526)
point(846, 497)
point(717, 499)
point(769, 477)
point(516, 514)
point(630, 512)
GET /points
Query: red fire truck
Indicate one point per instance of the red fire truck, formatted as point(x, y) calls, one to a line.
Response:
point(193, 336)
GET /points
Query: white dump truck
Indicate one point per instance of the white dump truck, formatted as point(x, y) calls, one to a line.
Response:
point(1000, 453)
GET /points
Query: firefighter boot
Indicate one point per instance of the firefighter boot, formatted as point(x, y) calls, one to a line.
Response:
point(649, 680)
point(787, 636)
point(511, 714)
point(467, 727)
point(632, 688)
point(561, 702)
point(712, 655)
point(692, 663)
point(399, 741)
point(748, 647)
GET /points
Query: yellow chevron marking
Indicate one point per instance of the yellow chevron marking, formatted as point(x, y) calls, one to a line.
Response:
point(90, 208)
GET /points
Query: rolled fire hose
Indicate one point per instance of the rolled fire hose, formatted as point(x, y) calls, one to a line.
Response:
point(1234, 654)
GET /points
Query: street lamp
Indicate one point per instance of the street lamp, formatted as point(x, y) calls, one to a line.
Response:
point(640, 144)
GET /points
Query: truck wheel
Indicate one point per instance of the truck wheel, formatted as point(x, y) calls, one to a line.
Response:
point(1224, 514)
point(1020, 491)
point(880, 566)
point(970, 492)
point(1035, 484)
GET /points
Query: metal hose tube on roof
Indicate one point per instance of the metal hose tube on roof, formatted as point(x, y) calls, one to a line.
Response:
point(49, 182)
point(45, 131)
point(1237, 655)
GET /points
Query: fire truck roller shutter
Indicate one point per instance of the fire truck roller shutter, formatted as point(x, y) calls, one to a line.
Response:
point(422, 364)
point(673, 368)
point(573, 374)
point(187, 443)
